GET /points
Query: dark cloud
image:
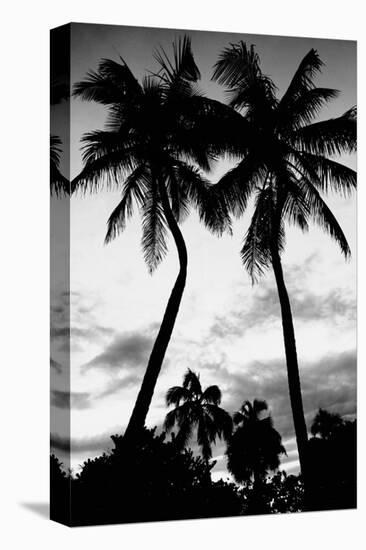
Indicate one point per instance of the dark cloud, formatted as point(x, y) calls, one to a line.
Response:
point(329, 382)
point(93, 445)
point(74, 328)
point(55, 365)
point(127, 351)
point(67, 400)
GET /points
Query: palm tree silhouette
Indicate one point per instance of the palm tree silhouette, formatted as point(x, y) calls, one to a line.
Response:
point(59, 184)
point(286, 165)
point(326, 424)
point(158, 136)
point(197, 408)
point(255, 446)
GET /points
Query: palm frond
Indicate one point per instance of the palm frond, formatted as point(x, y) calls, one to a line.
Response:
point(59, 185)
point(259, 405)
point(185, 431)
point(305, 108)
point(301, 82)
point(238, 184)
point(221, 419)
point(135, 187)
point(206, 434)
point(112, 83)
point(108, 159)
point(334, 136)
point(170, 420)
point(292, 204)
point(191, 381)
point(322, 216)
point(256, 250)
point(238, 68)
point(210, 205)
point(183, 65)
point(212, 395)
point(327, 174)
point(154, 230)
point(176, 394)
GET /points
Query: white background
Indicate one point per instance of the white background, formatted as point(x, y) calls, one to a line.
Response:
point(24, 272)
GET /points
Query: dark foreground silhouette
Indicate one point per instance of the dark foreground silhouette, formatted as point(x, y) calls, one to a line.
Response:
point(158, 481)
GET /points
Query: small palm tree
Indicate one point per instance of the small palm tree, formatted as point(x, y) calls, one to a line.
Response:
point(255, 446)
point(159, 134)
point(326, 424)
point(286, 165)
point(199, 409)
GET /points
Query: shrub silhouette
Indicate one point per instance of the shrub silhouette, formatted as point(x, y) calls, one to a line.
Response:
point(156, 480)
point(332, 463)
point(153, 481)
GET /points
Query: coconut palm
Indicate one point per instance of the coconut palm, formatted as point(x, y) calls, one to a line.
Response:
point(199, 409)
point(255, 446)
point(153, 148)
point(287, 167)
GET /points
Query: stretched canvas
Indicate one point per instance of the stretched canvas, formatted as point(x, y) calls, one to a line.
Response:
point(203, 287)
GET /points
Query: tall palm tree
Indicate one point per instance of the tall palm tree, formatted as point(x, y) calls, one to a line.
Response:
point(199, 409)
point(154, 146)
point(255, 446)
point(287, 167)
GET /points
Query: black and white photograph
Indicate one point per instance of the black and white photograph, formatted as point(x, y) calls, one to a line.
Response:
point(203, 274)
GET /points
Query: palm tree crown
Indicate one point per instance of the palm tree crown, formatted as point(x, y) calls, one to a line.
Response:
point(286, 162)
point(255, 445)
point(197, 408)
point(153, 145)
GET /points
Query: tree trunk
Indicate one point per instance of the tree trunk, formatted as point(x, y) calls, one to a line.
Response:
point(292, 364)
point(143, 401)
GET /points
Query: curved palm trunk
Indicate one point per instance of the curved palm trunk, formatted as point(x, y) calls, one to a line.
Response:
point(291, 361)
point(143, 401)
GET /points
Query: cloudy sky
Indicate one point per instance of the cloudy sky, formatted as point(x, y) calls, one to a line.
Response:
point(227, 330)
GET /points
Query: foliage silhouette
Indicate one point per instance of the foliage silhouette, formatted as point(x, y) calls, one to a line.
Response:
point(287, 166)
point(59, 185)
point(156, 480)
point(325, 424)
point(160, 134)
point(332, 463)
point(197, 408)
point(150, 481)
point(255, 446)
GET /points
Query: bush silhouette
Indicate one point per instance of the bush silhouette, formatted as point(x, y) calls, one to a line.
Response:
point(156, 480)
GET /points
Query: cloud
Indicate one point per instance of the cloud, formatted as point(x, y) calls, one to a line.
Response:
point(264, 309)
point(67, 400)
point(93, 445)
point(55, 365)
point(73, 324)
point(329, 382)
point(127, 351)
